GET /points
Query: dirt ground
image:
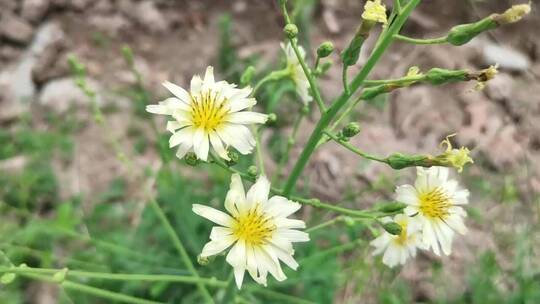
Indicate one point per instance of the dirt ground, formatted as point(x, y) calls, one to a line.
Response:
point(173, 40)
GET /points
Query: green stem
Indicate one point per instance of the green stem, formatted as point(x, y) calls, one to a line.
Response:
point(230, 290)
point(279, 297)
point(397, 6)
point(273, 76)
point(354, 149)
point(117, 276)
point(344, 79)
point(317, 62)
point(440, 40)
point(398, 81)
point(325, 224)
point(327, 117)
point(312, 83)
point(180, 248)
point(98, 292)
point(258, 148)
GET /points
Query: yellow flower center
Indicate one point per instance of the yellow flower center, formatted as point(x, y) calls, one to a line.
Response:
point(435, 203)
point(253, 227)
point(208, 110)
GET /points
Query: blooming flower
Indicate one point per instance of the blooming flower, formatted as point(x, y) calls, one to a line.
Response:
point(297, 73)
point(375, 11)
point(211, 113)
point(398, 248)
point(435, 202)
point(258, 230)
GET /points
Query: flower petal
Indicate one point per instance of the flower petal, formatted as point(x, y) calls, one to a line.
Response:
point(258, 193)
point(214, 247)
point(179, 92)
point(213, 215)
point(201, 144)
point(185, 135)
point(236, 197)
point(238, 136)
point(247, 117)
point(218, 145)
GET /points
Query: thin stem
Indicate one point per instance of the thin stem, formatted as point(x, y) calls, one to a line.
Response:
point(440, 40)
point(98, 292)
point(273, 76)
point(325, 224)
point(398, 81)
point(258, 148)
point(180, 248)
point(117, 276)
point(344, 80)
point(317, 62)
point(354, 149)
point(281, 298)
point(230, 289)
point(397, 6)
point(341, 101)
point(309, 76)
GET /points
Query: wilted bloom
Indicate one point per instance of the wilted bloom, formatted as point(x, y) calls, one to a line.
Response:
point(297, 73)
point(258, 230)
point(456, 158)
point(398, 248)
point(435, 202)
point(210, 114)
point(374, 11)
point(485, 76)
point(513, 14)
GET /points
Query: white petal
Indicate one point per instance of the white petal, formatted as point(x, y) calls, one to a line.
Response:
point(239, 276)
point(293, 235)
point(429, 237)
point(214, 247)
point(196, 85)
point(209, 76)
point(285, 256)
point(237, 255)
point(391, 256)
point(183, 149)
point(444, 238)
point(218, 145)
point(247, 117)
point(279, 206)
point(272, 263)
point(236, 197)
point(219, 233)
point(201, 144)
point(289, 223)
point(407, 194)
point(456, 222)
point(179, 92)
point(460, 197)
point(258, 193)
point(238, 136)
point(213, 215)
point(185, 135)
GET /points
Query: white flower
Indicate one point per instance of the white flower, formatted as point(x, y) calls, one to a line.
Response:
point(257, 229)
point(297, 73)
point(211, 113)
point(398, 248)
point(434, 202)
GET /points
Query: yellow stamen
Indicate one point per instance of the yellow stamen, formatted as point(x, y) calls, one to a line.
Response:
point(208, 110)
point(253, 227)
point(435, 203)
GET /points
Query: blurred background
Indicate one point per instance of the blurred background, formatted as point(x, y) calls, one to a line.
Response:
point(68, 200)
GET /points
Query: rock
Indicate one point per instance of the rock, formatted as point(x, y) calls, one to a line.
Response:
point(34, 10)
point(51, 60)
point(13, 165)
point(15, 29)
point(148, 16)
point(111, 25)
point(103, 7)
point(17, 88)
point(505, 150)
point(9, 53)
point(500, 88)
point(8, 5)
point(60, 94)
point(78, 5)
point(505, 57)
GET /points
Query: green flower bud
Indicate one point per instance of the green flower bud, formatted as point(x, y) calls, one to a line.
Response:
point(325, 49)
point(372, 92)
point(247, 76)
point(191, 159)
point(439, 76)
point(252, 171)
point(305, 109)
point(290, 30)
point(463, 33)
point(392, 207)
point(233, 158)
point(392, 228)
point(60, 276)
point(349, 221)
point(351, 129)
point(400, 161)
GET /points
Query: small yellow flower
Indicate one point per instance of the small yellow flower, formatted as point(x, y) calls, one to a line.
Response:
point(375, 11)
point(485, 76)
point(457, 158)
point(514, 14)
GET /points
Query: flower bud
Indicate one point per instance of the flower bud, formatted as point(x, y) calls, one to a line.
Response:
point(60, 276)
point(325, 49)
point(437, 76)
point(351, 129)
point(513, 14)
point(392, 207)
point(272, 118)
point(400, 161)
point(191, 159)
point(305, 109)
point(233, 158)
point(349, 221)
point(463, 33)
point(7, 278)
point(247, 76)
point(392, 228)
point(252, 171)
point(290, 30)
